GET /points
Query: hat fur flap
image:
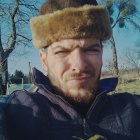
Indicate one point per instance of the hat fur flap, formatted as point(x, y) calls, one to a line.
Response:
point(86, 21)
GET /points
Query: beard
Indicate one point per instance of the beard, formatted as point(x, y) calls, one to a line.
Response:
point(77, 93)
point(84, 95)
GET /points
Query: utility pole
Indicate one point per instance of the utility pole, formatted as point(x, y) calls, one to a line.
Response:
point(30, 73)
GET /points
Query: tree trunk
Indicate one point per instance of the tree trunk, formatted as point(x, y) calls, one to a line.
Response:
point(115, 69)
point(3, 76)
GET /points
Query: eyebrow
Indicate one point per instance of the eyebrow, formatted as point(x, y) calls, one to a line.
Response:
point(83, 47)
point(58, 46)
point(92, 46)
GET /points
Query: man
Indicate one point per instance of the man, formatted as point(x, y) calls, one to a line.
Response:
point(71, 102)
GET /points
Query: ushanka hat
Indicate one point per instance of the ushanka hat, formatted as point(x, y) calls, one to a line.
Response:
point(69, 19)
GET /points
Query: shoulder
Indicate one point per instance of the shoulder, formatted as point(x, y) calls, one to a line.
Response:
point(8, 107)
point(125, 96)
point(121, 100)
point(16, 97)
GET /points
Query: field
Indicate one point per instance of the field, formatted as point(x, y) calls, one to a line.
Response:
point(129, 82)
point(131, 85)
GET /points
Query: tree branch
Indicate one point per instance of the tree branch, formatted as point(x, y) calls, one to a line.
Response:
point(13, 35)
point(1, 47)
point(24, 37)
point(117, 19)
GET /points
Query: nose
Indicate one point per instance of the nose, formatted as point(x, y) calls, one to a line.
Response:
point(78, 61)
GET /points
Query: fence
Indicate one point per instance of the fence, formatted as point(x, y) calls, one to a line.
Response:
point(13, 87)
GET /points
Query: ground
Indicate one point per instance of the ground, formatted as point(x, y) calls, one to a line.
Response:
point(131, 85)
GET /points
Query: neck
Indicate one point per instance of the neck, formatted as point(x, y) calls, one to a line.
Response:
point(81, 108)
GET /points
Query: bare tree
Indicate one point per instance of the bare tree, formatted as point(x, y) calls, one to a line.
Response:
point(132, 60)
point(14, 19)
point(122, 13)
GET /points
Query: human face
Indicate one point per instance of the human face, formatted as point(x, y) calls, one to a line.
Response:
point(74, 67)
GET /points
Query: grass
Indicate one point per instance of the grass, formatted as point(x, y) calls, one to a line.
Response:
point(132, 86)
point(129, 81)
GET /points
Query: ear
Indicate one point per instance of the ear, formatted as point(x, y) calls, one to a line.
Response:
point(43, 59)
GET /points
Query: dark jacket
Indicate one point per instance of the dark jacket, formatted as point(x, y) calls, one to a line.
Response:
point(43, 115)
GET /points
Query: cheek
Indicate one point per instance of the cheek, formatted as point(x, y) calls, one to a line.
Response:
point(96, 62)
point(57, 68)
point(100, 61)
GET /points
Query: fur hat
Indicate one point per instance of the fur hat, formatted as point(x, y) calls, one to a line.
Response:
point(65, 19)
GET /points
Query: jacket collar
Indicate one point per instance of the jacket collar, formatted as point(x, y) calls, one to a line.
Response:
point(41, 81)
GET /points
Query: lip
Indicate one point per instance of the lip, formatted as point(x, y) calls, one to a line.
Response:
point(80, 80)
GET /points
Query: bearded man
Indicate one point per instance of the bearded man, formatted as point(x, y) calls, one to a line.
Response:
point(70, 101)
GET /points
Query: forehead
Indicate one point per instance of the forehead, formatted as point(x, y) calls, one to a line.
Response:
point(72, 43)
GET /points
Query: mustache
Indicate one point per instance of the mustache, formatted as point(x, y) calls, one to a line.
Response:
point(83, 74)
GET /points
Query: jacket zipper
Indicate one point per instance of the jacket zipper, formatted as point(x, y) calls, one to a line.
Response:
point(94, 103)
point(82, 121)
point(85, 124)
point(86, 128)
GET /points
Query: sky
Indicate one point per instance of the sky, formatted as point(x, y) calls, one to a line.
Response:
point(124, 38)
